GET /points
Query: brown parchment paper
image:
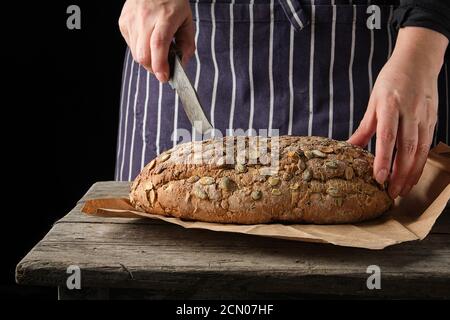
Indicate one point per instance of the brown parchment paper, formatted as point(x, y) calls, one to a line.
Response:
point(411, 218)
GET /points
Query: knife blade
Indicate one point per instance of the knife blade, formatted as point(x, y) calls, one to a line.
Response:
point(180, 82)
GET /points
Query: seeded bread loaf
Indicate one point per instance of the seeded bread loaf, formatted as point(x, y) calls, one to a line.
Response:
point(319, 180)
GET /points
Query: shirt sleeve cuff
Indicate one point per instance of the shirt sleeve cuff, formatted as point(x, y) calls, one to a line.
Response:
point(418, 16)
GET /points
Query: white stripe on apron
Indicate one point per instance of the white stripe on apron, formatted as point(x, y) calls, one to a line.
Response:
point(233, 73)
point(144, 125)
point(158, 124)
point(291, 81)
point(133, 132)
point(389, 31)
point(294, 13)
point(216, 67)
point(271, 97)
point(126, 121)
point(122, 96)
point(369, 68)
point(369, 63)
point(350, 75)
point(311, 70)
point(197, 58)
point(175, 121)
point(250, 70)
point(331, 93)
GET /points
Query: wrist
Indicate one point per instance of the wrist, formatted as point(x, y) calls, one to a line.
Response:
point(423, 46)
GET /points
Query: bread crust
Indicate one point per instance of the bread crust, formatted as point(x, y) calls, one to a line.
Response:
point(319, 181)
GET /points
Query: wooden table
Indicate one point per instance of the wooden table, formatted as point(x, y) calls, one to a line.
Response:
point(143, 258)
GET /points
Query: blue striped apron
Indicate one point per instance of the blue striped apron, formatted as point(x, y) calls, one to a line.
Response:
point(301, 67)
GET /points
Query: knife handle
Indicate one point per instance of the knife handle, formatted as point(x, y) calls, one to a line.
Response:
point(174, 51)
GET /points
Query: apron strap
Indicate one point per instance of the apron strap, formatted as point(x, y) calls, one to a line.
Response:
point(295, 13)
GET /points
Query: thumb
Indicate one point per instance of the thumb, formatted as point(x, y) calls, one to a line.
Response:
point(366, 129)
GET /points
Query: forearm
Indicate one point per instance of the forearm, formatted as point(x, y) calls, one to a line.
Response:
point(422, 45)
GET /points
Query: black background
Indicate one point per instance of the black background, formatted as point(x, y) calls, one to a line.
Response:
point(60, 103)
point(60, 96)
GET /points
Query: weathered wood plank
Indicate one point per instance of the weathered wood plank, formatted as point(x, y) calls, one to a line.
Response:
point(297, 259)
point(147, 249)
point(107, 189)
point(212, 270)
point(169, 237)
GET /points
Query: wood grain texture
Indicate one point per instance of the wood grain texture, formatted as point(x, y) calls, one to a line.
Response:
point(153, 259)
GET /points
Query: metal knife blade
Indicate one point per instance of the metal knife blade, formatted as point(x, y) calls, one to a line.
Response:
point(179, 81)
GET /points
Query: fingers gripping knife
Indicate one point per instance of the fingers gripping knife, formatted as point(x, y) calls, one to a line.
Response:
point(179, 81)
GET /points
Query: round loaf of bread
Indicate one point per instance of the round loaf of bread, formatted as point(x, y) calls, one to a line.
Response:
point(251, 180)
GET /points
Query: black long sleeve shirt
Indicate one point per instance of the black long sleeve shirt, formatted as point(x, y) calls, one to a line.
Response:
point(431, 14)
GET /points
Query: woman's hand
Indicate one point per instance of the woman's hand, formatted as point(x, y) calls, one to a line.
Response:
point(402, 109)
point(149, 26)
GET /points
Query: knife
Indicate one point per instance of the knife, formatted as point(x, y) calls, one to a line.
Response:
point(179, 81)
